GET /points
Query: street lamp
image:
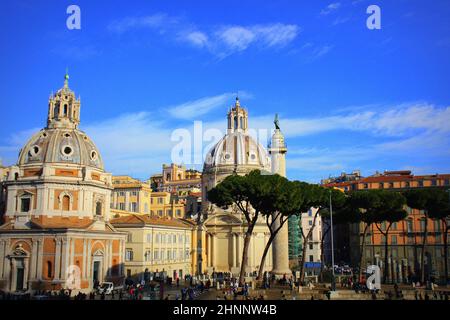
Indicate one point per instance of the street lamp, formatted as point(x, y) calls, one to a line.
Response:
point(333, 283)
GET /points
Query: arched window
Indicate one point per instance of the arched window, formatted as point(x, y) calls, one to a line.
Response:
point(49, 269)
point(235, 122)
point(66, 203)
point(241, 122)
point(65, 109)
point(98, 208)
point(56, 111)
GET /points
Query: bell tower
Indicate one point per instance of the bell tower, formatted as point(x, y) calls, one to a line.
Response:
point(63, 108)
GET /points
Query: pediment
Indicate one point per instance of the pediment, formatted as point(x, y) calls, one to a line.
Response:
point(222, 219)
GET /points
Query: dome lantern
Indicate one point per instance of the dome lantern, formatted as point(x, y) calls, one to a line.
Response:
point(237, 118)
point(63, 108)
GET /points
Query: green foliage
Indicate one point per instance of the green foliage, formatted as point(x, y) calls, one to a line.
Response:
point(435, 202)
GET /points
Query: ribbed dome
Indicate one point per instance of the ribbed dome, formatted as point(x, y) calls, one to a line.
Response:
point(237, 149)
point(61, 145)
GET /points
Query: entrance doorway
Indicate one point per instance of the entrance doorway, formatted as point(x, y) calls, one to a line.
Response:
point(20, 273)
point(96, 271)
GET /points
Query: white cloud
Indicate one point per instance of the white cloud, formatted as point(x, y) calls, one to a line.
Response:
point(159, 21)
point(138, 143)
point(197, 38)
point(196, 108)
point(330, 8)
point(221, 40)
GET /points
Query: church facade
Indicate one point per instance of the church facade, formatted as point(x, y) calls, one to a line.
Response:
point(221, 233)
point(56, 232)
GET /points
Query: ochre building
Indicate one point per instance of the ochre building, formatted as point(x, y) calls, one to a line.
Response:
point(56, 231)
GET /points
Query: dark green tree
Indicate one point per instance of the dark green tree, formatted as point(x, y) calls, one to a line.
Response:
point(284, 199)
point(367, 203)
point(391, 211)
point(235, 190)
point(433, 203)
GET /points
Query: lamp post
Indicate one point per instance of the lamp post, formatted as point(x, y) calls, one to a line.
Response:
point(333, 283)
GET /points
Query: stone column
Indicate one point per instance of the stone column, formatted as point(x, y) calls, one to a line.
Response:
point(214, 250)
point(26, 269)
point(2, 257)
point(40, 259)
point(88, 262)
point(234, 239)
point(57, 259)
point(34, 256)
point(209, 250)
point(239, 249)
point(84, 264)
point(13, 275)
point(64, 258)
point(280, 250)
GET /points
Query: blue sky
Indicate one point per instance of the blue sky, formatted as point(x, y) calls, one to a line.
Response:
point(348, 97)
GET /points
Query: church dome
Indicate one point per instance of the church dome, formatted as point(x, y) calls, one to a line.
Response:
point(237, 149)
point(61, 145)
point(61, 141)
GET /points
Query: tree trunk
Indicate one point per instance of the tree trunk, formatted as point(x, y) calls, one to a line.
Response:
point(322, 254)
point(273, 234)
point(422, 254)
point(386, 255)
point(247, 238)
point(361, 256)
point(305, 244)
point(445, 250)
point(263, 258)
point(302, 261)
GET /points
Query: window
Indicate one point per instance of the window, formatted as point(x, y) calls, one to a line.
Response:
point(122, 193)
point(134, 193)
point(365, 186)
point(433, 183)
point(146, 207)
point(121, 206)
point(66, 203)
point(393, 239)
point(178, 213)
point(160, 213)
point(310, 213)
point(311, 246)
point(149, 237)
point(160, 200)
point(310, 222)
point(133, 207)
point(420, 183)
point(129, 255)
point(130, 237)
point(409, 226)
point(394, 226)
point(25, 204)
point(174, 239)
point(169, 213)
point(98, 208)
point(311, 258)
point(437, 226)
point(422, 225)
point(158, 238)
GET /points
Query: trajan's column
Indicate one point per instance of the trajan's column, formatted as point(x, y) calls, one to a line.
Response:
point(280, 248)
